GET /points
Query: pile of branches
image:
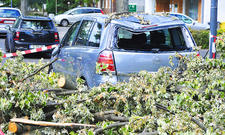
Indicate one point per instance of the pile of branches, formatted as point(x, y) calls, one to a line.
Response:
point(186, 100)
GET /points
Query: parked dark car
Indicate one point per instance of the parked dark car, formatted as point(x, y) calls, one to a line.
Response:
point(7, 17)
point(30, 33)
point(123, 46)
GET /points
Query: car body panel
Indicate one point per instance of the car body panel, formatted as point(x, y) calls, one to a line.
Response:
point(79, 60)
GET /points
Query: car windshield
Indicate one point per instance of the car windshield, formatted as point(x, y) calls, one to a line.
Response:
point(169, 39)
point(36, 24)
point(9, 13)
point(67, 12)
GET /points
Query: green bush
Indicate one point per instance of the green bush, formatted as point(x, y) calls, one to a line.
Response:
point(201, 37)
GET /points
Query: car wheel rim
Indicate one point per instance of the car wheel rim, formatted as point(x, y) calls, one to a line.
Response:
point(64, 23)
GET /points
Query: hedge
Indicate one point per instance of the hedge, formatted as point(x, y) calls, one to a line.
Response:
point(201, 37)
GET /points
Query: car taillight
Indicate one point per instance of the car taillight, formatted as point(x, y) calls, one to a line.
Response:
point(102, 12)
point(17, 36)
point(198, 54)
point(56, 35)
point(106, 58)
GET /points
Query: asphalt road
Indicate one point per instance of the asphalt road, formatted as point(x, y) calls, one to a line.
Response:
point(35, 57)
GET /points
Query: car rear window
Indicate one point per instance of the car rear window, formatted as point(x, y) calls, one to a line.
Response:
point(9, 13)
point(170, 39)
point(36, 24)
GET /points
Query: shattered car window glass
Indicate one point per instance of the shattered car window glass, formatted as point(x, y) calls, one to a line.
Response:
point(169, 39)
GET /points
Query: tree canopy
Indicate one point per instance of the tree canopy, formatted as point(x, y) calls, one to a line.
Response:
point(62, 5)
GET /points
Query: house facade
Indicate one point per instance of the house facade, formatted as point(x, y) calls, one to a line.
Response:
point(197, 9)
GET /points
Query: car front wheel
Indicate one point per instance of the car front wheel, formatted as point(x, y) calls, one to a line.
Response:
point(64, 23)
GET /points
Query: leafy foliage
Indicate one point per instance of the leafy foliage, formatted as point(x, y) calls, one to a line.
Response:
point(63, 5)
point(186, 100)
point(201, 37)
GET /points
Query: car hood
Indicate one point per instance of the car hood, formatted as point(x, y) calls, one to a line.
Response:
point(199, 26)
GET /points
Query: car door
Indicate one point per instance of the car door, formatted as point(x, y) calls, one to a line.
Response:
point(150, 50)
point(75, 15)
point(78, 52)
point(65, 62)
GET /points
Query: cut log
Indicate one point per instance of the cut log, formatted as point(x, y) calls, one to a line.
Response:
point(62, 82)
point(50, 124)
point(18, 128)
point(66, 83)
point(13, 127)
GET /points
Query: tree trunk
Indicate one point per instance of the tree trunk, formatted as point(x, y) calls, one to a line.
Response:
point(122, 5)
point(24, 7)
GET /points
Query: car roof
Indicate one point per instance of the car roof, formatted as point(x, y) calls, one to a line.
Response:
point(9, 8)
point(86, 8)
point(35, 18)
point(135, 21)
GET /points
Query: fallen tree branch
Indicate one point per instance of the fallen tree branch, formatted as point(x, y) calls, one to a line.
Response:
point(199, 124)
point(112, 117)
point(38, 70)
point(50, 124)
point(192, 119)
point(114, 125)
point(105, 113)
point(149, 133)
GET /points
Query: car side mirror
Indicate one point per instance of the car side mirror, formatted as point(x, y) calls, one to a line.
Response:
point(56, 51)
point(8, 27)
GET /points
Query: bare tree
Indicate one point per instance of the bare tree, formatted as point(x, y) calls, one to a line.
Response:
point(24, 7)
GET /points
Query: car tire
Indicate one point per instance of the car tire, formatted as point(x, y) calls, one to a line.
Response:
point(6, 45)
point(64, 23)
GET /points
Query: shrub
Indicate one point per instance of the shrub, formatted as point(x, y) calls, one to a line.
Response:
point(201, 37)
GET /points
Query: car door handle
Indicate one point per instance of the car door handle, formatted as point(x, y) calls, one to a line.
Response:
point(79, 58)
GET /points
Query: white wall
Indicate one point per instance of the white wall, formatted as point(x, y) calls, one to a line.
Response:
point(150, 6)
point(220, 9)
point(140, 4)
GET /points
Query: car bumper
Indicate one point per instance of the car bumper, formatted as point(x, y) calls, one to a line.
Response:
point(26, 46)
point(57, 21)
point(3, 29)
point(3, 32)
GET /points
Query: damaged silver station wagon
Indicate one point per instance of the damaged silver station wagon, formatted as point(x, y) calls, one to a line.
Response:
point(125, 43)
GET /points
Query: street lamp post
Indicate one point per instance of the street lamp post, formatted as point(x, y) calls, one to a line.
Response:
point(213, 29)
point(11, 3)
